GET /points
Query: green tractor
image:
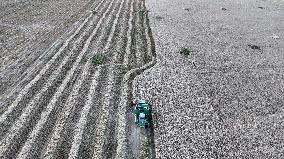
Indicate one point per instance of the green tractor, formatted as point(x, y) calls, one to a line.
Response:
point(142, 113)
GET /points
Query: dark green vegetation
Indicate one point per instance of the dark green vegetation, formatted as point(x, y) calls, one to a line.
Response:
point(185, 51)
point(99, 59)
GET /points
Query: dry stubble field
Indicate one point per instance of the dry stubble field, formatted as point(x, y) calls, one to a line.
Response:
point(225, 99)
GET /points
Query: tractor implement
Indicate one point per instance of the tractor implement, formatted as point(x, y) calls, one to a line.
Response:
point(141, 113)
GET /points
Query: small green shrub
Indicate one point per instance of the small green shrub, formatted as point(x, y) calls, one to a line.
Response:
point(99, 59)
point(141, 12)
point(185, 51)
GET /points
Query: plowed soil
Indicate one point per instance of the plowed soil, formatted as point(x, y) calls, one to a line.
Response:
point(57, 100)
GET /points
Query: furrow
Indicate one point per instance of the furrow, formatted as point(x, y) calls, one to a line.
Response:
point(4, 116)
point(108, 45)
point(85, 149)
point(67, 141)
point(150, 144)
point(76, 91)
point(108, 146)
point(7, 97)
point(122, 128)
point(35, 106)
point(66, 136)
point(136, 138)
point(67, 32)
point(107, 33)
point(129, 38)
point(83, 117)
point(4, 70)
point(150, 48)
point(120, 39)
point(68, 108)
point(121, 121)
point(32, 106)
point(101, 128)
point(41, 73)
point(123, 102)
point(108, 96)
point(44, 116)
point(12, 92)
point(55, 100)
point(104, 113)
point(106, 48)
point(146, 56)
point(50, 83)
point(23, 54)
point(138, 34)
point(133, 52)
point(31, 71)
point(53, 79)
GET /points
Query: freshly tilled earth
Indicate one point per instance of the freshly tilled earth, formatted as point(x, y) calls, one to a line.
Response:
point(59, 99)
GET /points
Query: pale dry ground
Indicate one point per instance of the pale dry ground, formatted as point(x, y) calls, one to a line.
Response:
point(225, 100)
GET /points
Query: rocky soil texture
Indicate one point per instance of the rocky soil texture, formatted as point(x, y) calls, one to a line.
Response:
point(66, 88)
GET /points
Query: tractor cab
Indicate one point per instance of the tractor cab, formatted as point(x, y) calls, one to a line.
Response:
point(142, 116)
point(141, 113)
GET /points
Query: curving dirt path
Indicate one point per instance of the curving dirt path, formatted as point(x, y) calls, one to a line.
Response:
point(62, 105)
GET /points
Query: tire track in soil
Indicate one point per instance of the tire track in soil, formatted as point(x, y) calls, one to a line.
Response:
point(149, 56)
point(83, 111)
point(138, 136)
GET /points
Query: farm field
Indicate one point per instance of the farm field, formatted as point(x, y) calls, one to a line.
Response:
point(212, 71)
point(223, 98)
point(66, 78)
